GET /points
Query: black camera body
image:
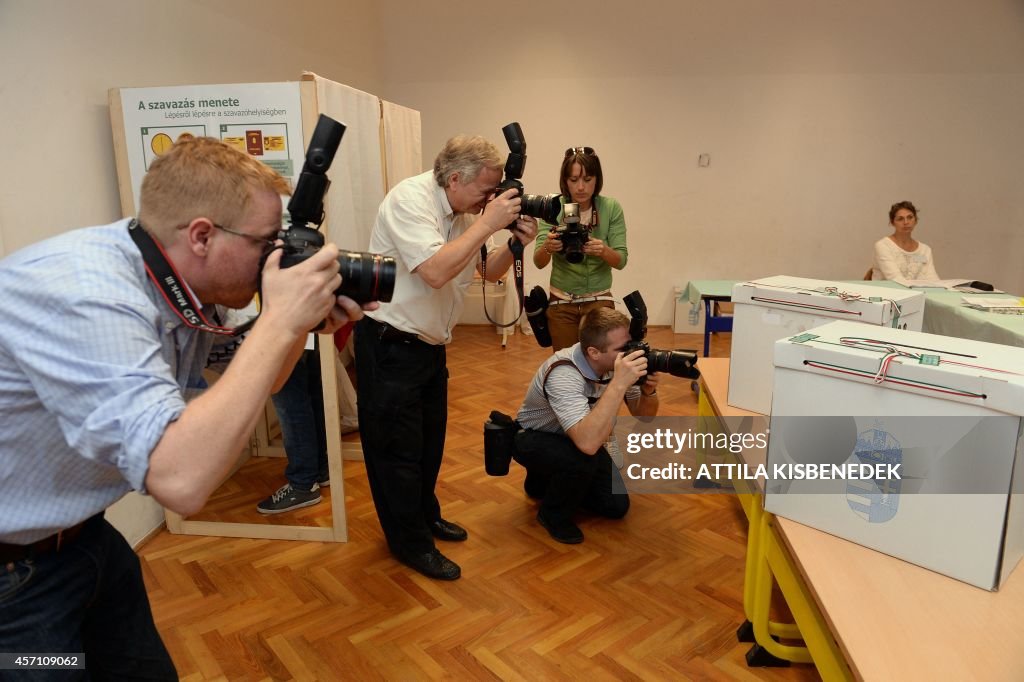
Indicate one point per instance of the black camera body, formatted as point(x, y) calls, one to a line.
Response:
point(536, 307)
point(678, 363)
point(365, 277)
point(572, 235)
point(545, 207)
point(499, 443)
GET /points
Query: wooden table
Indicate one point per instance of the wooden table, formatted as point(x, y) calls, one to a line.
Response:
point(865, 614)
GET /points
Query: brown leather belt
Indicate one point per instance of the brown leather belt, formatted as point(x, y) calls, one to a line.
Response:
point(53, 543)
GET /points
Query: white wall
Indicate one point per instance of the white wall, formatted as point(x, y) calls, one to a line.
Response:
point(58, 58)
point(817, 116)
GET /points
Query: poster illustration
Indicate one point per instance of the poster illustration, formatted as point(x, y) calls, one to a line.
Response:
point(262, 119)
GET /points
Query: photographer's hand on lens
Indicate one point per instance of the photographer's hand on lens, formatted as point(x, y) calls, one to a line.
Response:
point(299, 298)
point(650, 387)
point(553, 244)
point(502, 210)
point(346, 310)
point(629, 368)
point(594, 247)
point(525, 229)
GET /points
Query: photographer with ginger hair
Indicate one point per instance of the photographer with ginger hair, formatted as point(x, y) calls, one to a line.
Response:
point(102, 378)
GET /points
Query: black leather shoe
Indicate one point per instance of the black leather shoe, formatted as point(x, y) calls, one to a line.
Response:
point(446, 530)
point(432, 564)
point(566, 532)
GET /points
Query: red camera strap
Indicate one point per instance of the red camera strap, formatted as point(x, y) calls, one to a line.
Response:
point(170, 285)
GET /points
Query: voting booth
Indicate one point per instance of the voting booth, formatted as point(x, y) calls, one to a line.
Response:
point(272, 122)
point(928, 430)
point(773, 308)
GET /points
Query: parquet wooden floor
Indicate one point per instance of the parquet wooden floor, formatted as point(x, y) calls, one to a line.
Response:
point(655, 596)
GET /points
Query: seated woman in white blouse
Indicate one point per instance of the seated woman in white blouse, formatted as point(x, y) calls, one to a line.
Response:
point(900, 256)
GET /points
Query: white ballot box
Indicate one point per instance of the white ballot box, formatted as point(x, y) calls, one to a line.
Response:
point(773, 308)
point(908, 443)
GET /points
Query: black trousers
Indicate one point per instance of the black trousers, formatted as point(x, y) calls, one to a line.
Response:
point(403, 413)
point(567, 479)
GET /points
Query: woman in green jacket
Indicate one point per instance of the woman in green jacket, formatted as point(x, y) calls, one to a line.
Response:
point(577, 287)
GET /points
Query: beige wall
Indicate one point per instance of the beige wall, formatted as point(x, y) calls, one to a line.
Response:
point(59, 57)
point(817, 116)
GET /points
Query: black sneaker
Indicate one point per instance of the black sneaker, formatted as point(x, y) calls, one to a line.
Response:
point(566, 532)
point(432, 564)
point(288, 498)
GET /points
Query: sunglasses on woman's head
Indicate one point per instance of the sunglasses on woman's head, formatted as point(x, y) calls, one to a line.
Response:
point(579, 150)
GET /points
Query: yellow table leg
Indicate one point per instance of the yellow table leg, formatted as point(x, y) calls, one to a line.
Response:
point(750, 578)
point(751, 502)
point(822, 647)
point(707, 422)
point(763, 581)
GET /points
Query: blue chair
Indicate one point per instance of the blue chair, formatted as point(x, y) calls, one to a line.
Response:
point(714, 323)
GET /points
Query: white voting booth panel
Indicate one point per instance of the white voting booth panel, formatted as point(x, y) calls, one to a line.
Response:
point(773, 308)
point(947, 411)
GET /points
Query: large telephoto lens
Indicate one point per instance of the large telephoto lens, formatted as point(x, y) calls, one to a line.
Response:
point(572, 245)
point(546, 207)
point(366, 277)
point(678, 363)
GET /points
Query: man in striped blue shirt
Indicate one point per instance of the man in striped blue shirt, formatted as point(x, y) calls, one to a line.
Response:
point(100, 360)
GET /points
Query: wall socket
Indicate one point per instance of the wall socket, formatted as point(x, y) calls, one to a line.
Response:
point(704, 160)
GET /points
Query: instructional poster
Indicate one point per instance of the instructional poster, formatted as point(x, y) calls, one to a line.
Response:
point(262, 119)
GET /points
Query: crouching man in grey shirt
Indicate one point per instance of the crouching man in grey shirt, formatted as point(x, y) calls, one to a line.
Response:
point(568, 415)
